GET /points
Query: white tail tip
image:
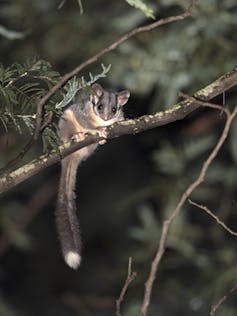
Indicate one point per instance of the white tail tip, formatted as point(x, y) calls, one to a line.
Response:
point(73, 259)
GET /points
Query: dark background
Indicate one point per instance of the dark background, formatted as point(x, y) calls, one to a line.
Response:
point(131, 184)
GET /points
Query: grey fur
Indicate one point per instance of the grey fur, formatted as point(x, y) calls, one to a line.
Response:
point(78, 119)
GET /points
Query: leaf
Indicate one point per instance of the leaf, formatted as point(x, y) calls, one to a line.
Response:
point(74, 86)
point(150, 227)
point(28, 120)
point(80, 6)
point(139, 4)
point(169, 160)
point(198, 146)
point(10, 34)
point(49, 138)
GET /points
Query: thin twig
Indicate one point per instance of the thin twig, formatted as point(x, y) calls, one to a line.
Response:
point(130, 277)
point(216, 218)
point(222, 300)
point(203, 103)
point(175, 213)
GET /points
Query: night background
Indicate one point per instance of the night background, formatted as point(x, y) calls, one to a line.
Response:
point(129, 186)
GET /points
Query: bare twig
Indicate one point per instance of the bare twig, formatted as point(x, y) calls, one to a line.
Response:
point(130, 277)
point(183, 199)
point(222, 300)
point(203, 103)
point(177, 112)
point(216, 218)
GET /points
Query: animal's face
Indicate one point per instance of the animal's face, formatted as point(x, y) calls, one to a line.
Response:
point(108, 105)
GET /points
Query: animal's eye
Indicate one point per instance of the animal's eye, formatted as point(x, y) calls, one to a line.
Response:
point(100, 106)
point(114, 109)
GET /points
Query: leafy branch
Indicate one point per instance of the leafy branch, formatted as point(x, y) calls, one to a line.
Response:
point(133, 126)
point(139, 4)
point(44, 98)
point(91, 60)
point(74, 86)
point(21, 85)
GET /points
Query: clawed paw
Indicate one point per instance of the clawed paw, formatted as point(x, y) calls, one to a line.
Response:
point(103, 133)
point(78, 137)
point(102, 142)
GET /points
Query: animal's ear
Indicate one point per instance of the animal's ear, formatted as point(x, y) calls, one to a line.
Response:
point(97, 92)
point(123, 97)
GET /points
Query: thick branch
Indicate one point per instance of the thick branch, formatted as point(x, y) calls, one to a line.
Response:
point(177, 112)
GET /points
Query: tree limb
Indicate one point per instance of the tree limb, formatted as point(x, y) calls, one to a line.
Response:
point(132, 126)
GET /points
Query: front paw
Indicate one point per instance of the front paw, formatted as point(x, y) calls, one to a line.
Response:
point(102, 131)
point(78, 137)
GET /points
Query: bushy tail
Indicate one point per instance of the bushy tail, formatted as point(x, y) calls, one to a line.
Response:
point(66, 219)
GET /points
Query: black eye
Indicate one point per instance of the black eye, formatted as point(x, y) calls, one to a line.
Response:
point(114, 109)
point(100, 106)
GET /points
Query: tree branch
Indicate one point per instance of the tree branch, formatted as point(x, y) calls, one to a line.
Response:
point(216, 218)
point(177, 112)
point(222, 300)
point(104, 51)
point(130, 277)
point(166, 224)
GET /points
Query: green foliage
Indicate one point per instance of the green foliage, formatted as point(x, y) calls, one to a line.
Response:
point(139, 4)
point(21, 85)
point(61, 4)
point(74, 85)
point(69, 93)
point(49, 138)
point(149, 229)
point(12, 35)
